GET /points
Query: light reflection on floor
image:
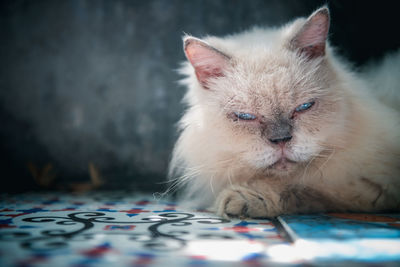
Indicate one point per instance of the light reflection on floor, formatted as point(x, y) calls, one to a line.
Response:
point(224, 250)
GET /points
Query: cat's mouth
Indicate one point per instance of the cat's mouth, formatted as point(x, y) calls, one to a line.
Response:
point(283, 164)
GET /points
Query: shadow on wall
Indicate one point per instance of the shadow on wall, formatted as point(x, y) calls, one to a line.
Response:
point(88, 88)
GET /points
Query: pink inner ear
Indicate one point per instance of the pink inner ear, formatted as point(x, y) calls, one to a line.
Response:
point(312, 37)
point(207, 61)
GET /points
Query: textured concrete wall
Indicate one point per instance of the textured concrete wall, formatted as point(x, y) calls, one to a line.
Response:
point(94, 81)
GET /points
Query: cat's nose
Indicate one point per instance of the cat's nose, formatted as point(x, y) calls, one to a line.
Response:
point(279, 131)
point(280, 140)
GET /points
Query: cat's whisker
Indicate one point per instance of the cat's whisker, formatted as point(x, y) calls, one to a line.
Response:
point(181, 180)
point(306, 168)
point(230, 177)
point(191, 173)
point(320, 155)
point(329, 146)
point(320, 168)
point(211, 185)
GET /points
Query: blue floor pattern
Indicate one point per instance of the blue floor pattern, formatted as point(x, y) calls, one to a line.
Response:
point(130, 229)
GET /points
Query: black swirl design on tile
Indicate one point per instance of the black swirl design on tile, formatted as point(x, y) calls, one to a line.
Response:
point(156, 238)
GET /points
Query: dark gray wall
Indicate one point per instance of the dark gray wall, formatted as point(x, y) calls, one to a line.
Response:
point(95, 81)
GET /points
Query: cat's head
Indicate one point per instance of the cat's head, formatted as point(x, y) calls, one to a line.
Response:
point(264, 100)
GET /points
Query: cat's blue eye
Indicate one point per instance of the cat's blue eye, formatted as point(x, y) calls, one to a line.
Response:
point(245, 116)
point(305, 106)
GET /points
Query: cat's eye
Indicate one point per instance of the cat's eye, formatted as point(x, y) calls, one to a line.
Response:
point(245, 116)
point(305, 106)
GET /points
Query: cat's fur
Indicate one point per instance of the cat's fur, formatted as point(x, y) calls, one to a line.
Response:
point(344, 154)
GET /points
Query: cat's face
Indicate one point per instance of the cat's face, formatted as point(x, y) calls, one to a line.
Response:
point(278, 118)
point(273, 110)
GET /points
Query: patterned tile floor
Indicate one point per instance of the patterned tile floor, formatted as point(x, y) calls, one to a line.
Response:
point(120, 229)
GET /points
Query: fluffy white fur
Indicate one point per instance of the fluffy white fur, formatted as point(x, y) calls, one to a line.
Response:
point(383, 77)
point(344, 154)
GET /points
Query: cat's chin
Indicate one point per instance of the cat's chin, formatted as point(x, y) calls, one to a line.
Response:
point(282, 167)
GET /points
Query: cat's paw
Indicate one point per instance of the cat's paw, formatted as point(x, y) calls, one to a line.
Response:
point(242, 202)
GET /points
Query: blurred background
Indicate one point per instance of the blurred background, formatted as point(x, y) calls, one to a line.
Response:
point(88, 88)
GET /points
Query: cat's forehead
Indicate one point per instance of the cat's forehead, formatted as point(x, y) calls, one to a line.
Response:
point(268, 74)
point(269, 83)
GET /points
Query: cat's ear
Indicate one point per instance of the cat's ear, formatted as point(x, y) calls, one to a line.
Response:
point(310, 40)
point(207, 61)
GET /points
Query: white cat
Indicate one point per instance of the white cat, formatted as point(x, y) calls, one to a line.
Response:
point(277, 124)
